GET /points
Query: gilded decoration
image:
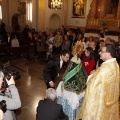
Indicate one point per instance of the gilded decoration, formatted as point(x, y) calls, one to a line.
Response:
point(101, 12)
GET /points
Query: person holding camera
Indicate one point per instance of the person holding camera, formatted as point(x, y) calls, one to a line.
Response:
point(2, 109)
point(12, 98)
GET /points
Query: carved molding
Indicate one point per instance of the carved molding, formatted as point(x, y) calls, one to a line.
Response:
point(97, 16)
point(118, 12)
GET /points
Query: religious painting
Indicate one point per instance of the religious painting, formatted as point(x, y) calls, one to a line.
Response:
point(22, 8)
point(78, 8)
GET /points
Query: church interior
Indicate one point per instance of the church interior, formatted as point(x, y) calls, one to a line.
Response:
point(89, 17)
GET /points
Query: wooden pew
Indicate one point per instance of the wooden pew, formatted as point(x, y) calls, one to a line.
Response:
point(2, 52)
point(14, 52)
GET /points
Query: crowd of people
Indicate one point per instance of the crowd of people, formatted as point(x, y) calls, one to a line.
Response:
point(89, 89)
point(45, 44)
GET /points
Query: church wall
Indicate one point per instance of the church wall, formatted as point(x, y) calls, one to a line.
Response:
point(49, 12)
point(8, 11)
point(5, 12)
point(77, 21)
point(9, 8)
point(81, 22)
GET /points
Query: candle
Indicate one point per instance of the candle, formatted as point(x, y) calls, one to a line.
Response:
point(94, 22)
point(97, 22)
point(118, 23)
point(51, 5)
point(91, 22)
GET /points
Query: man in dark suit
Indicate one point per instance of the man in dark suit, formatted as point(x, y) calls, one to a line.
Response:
point(52, 68)
point(49, 110)
point(92, 44)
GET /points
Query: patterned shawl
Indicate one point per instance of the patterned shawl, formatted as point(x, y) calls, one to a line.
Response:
point(75, 77)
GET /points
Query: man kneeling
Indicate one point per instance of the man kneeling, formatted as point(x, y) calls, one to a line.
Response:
point(49, 110)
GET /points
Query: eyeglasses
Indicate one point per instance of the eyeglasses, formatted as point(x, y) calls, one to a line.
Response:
point(102, 51)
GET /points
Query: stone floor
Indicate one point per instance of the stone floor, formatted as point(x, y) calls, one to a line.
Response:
point(31, 86)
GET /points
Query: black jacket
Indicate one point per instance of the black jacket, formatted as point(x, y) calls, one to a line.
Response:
point(48, 110)
point(51, 70)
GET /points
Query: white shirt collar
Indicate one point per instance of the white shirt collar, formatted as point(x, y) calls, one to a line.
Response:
point(61, 62)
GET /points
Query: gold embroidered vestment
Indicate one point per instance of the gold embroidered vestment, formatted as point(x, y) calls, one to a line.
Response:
point(101, 101)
